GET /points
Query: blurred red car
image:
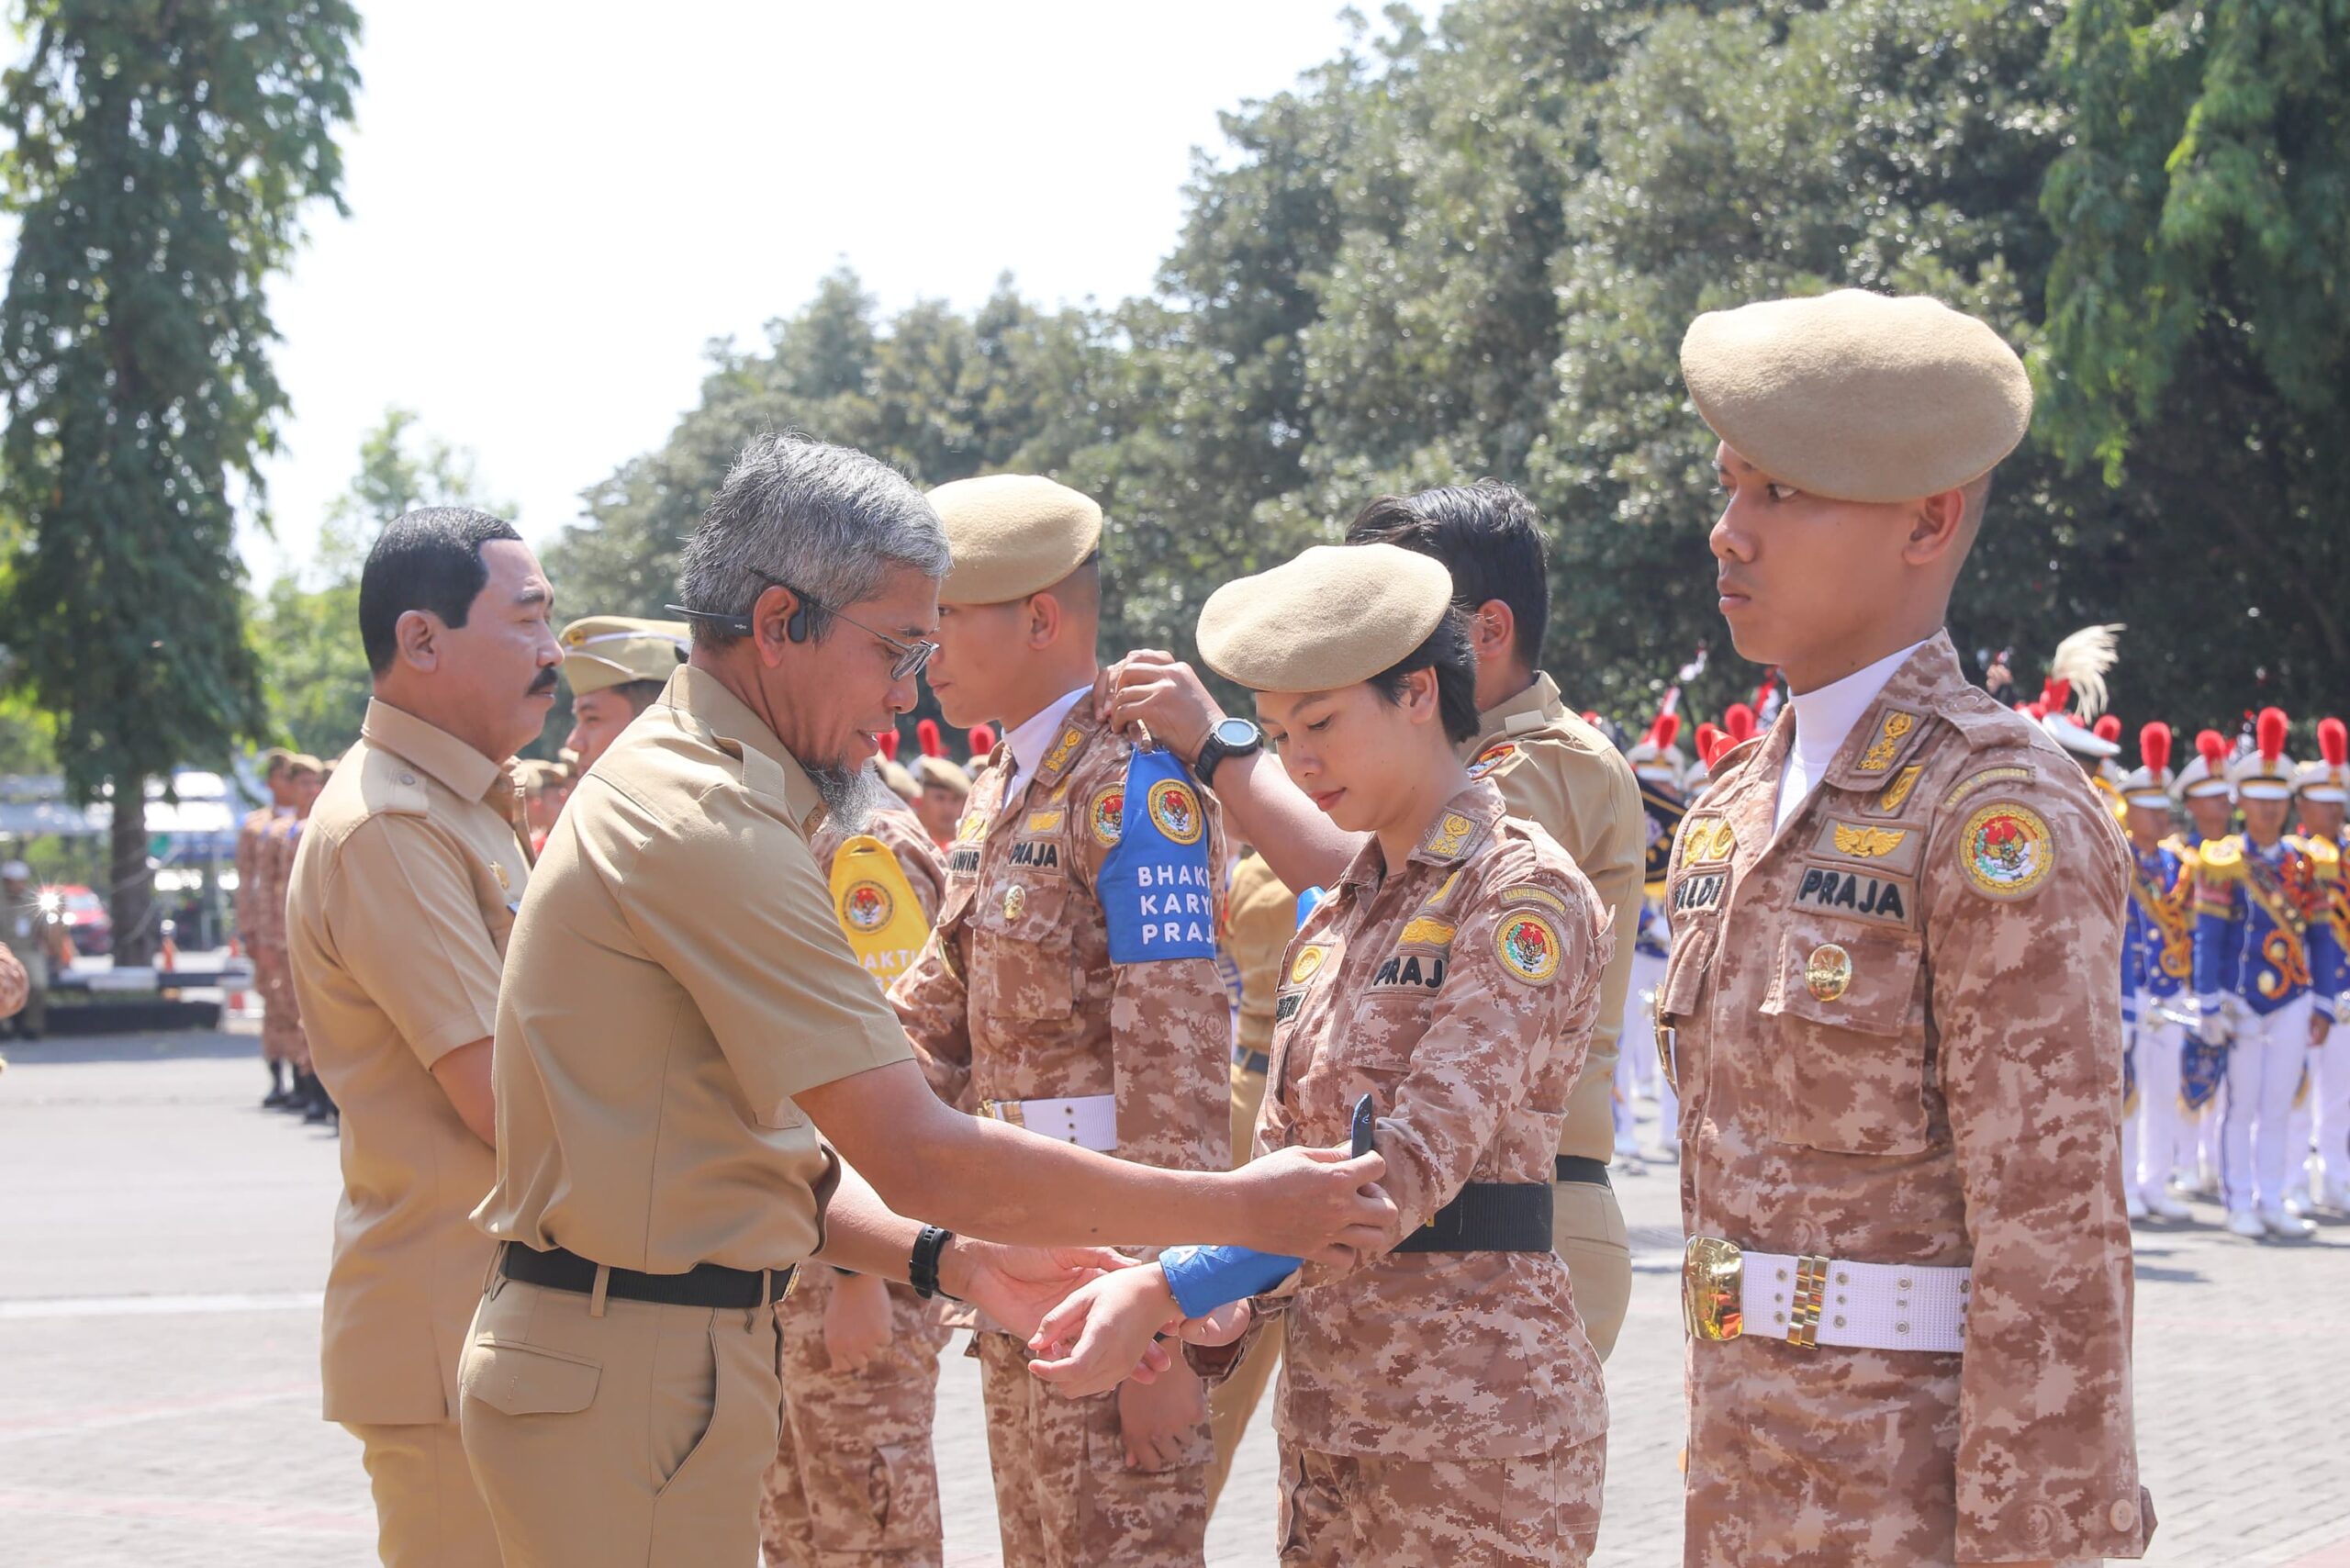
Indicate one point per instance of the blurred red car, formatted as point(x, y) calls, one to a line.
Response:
point(84, 916)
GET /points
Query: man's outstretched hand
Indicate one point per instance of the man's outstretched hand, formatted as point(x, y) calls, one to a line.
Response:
point(1322, 1204)
point(1018, 1286)
point(1086, 1343)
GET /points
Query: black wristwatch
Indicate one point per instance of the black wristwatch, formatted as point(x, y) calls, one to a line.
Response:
point(922, 1268)
point(1227, 737)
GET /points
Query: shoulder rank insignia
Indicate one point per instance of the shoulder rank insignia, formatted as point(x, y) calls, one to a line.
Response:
point(2220, 857)
point(1057, 759)
point(1704, 840)
point(2005, 850)
point(1449, 837)
point(1892, 730)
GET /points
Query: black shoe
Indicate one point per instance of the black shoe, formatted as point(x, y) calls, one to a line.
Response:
point(276, 1099)
point(298, 1098)
point(323, 1106)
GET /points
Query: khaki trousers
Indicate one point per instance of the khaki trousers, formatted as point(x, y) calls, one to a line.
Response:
point(1351, 1510)
point(428, 1513)
point(622, 1432)
point(1587, 1233)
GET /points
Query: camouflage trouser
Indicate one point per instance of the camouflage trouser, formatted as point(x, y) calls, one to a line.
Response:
point(1541, 1511)
point(854, 1480)
point(281, 1015)
point(1063, 1497)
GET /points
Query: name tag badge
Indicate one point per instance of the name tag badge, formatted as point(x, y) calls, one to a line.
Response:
point(1856, 895)
point(1699, 890)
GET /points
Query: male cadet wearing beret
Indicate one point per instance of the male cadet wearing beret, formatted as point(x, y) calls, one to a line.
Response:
point(1908, 1277)
point(256, 929)
point(403, 895)
point(855, 1479)
point(945, 792)
point(617, 665)
point(685, 1038)
point(1071, 988)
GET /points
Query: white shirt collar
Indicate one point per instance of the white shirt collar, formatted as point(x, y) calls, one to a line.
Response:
point(1030, 741)
point(1823, 720)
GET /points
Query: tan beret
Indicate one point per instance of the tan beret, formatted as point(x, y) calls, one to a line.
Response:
point(1013, 534)
point(303, 762)
point(275, 756)
point(896, 779)
point(604, 651)
point(939, 771)
point(1859, 397)
point(1337, 615)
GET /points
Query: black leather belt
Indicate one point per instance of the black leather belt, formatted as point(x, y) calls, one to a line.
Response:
point(1578, 1168)
point(1488, 1216)
point(705, 1284)
point(1247, 1061)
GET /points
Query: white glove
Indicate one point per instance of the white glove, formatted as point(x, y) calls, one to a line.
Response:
point(2212, 1025)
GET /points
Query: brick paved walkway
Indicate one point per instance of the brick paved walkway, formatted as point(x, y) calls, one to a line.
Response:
point(161, 1244)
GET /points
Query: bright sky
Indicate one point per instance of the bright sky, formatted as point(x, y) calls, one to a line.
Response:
point(555, 207)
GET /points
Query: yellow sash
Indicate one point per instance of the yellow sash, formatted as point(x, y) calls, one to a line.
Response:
point(876, 908)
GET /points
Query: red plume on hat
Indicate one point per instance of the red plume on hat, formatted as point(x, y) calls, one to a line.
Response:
point(1737, 724)
point(1712, 741)
point(982, 739)
point(1665, 731)
point(889, 742)
point(2333, 742)
point(2154, 748)
point(926, 733)
point(2212, 748)
point(2107, 728)
point(2268, 734)
point(2054, 695)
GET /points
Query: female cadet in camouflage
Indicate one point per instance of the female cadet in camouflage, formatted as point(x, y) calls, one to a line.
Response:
point(1441, 1402)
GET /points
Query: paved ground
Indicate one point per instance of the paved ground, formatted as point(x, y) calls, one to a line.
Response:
point(162, 1243)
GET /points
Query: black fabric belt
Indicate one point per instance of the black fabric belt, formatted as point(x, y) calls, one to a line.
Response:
point(1578, 1168)
point(705, 1284)
point(1488, 1216)
point(1247, 1061)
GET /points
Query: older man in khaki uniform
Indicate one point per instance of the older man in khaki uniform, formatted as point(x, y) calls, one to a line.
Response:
point(1070, 996)
point(681, 1015)
point(403, 895)
point(1908, 1276)
point(855, 1480)
point(617, 665)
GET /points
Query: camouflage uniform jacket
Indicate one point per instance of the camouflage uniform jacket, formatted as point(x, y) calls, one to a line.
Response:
point(251, 929)
point(1889, 1051)
point(1459, 991)
point(1015, 996)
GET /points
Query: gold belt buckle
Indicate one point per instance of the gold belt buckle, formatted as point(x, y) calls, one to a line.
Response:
point(1711, 1299)
point(1005, 1110)
point(1667, 1038)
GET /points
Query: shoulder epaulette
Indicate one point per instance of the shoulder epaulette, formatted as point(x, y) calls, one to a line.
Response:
point(2221, 859)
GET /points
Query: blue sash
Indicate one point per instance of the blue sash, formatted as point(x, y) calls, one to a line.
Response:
point(1154, 885)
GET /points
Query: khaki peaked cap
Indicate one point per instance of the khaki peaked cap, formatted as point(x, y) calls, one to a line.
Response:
point(1011, 535)
point(603, 651)
point(1859, 397)
point(1336, 615)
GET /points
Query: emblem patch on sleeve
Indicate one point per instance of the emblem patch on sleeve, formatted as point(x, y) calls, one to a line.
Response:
point(1527, 944)
point(1103, 815)
point(2007, 850)
point(1495, 759)
point(1176, 811)
point(866, 906)
point(1542, 896)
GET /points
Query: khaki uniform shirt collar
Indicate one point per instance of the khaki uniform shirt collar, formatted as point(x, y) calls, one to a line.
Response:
point(700, 700)
point(1531, 709)
point(466, 772)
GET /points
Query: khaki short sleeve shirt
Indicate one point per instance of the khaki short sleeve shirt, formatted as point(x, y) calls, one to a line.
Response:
point(397, 914)
point(676, 975)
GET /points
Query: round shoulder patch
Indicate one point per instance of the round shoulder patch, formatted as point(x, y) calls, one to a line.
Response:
point(1307, 963)
point(1493, 758)
point(866, 906)
point(1527, 944)
point(2007, 851)
point(1105, 814)
point(1176, 811)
